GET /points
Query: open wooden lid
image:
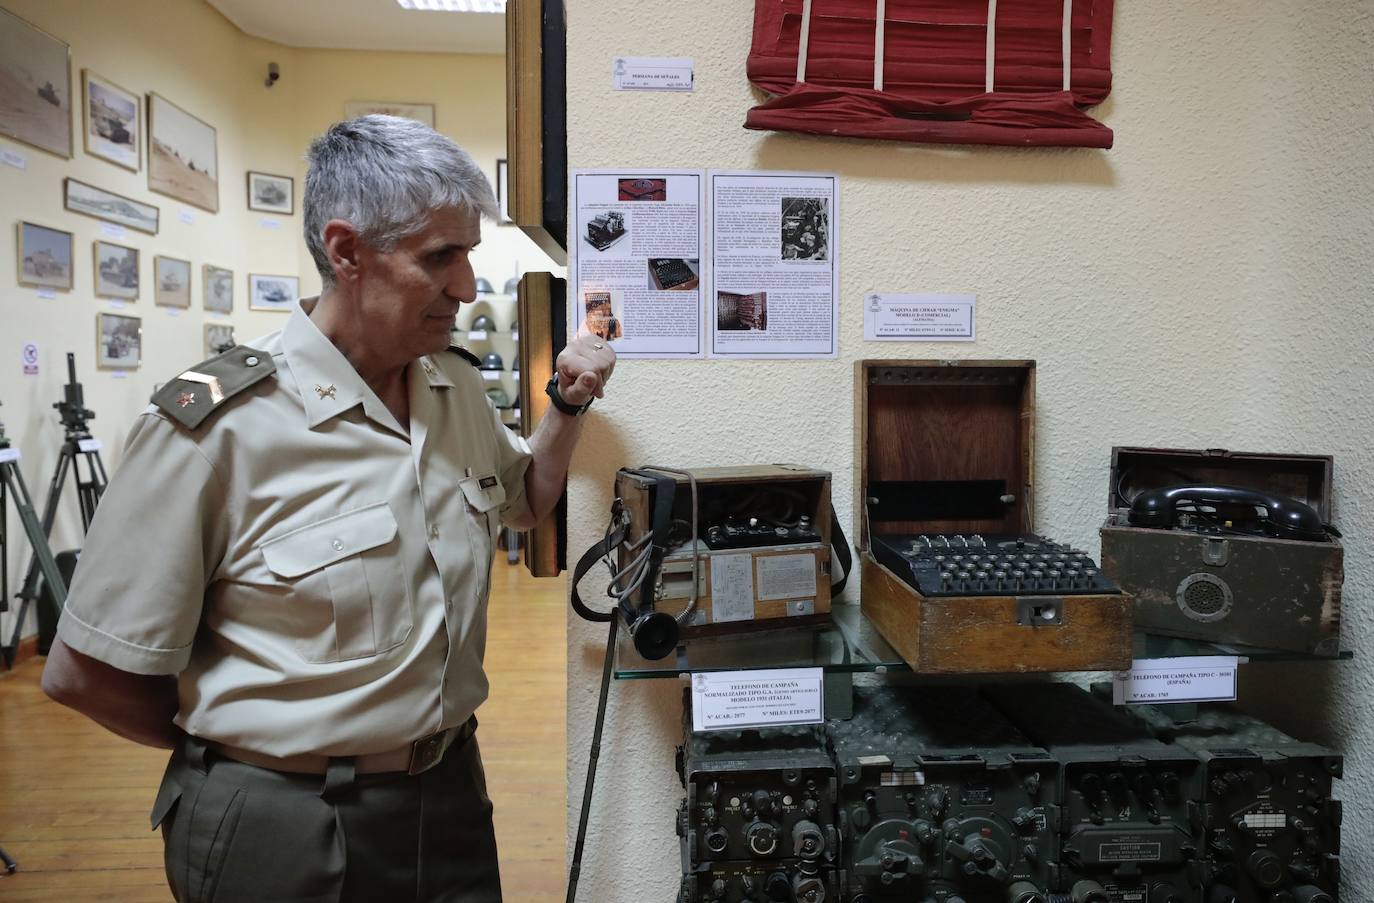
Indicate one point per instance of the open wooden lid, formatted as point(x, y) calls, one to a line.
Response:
point(945, 446)
point(1306, 478)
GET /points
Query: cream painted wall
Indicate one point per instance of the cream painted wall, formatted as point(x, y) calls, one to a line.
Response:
point(190, 54)
point(1204, 284)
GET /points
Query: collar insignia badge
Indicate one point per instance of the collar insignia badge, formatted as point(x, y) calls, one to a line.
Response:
point(186, 398)
point(324, 391)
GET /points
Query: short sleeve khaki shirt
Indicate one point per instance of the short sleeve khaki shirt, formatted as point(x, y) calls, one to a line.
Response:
point(314, 574)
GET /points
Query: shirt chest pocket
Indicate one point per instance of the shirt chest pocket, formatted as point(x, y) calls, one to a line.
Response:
point(346, 587)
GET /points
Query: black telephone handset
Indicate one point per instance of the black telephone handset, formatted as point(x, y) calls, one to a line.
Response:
point(1283, 518)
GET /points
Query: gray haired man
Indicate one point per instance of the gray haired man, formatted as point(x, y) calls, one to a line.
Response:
point(286, 582)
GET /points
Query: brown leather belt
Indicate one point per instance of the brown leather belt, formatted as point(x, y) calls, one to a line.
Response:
point(413, 758)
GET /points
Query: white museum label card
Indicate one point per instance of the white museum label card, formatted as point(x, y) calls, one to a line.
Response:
point(477, 335)
point(9, 455)
point(652, 73)
point(173, 311)
point(113, 230)
point(491, 376)
point(787, 576)
point(89, 445)
point(726, 700)
point(118, 305)
point(119, 374)
point(14, 158)
point(48, 293)
point(927, 317)
point(1197, 678)
point(187, 217)
point(269, 224)
point(29, 356)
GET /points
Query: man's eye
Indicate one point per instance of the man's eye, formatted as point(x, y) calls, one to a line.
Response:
point(441, 257)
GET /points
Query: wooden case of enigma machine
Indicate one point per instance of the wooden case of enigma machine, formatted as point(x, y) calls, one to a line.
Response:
point(761, 544)
point(1227, 547)
point(952, 573)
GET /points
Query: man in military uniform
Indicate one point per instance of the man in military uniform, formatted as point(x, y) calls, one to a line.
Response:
point(287, 578)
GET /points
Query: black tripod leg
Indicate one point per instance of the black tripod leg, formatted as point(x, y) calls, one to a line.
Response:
point(575, 870)
point(29, 592)
point(42, 554)
point(10, 865)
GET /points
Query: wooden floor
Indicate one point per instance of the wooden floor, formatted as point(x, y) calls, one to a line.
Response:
point(74, 799)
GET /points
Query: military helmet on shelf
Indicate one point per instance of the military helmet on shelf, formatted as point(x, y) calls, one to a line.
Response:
point(484, 323)
point(492, 362)
point(484, 287)
point(512, 285)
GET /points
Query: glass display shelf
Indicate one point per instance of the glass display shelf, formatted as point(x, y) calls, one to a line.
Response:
point(849, 644)
point(1149, 645)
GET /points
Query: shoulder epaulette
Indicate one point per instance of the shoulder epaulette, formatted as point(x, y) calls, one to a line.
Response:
point(199, 392)
point(466, 355)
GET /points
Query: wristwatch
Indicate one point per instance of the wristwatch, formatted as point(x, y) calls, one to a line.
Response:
point(571, 410)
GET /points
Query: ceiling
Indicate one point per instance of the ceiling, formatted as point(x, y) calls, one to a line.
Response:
point(365, 25)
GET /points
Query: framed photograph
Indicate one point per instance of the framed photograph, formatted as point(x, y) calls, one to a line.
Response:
point(272, 292)
point(45, 257)
point(183, 161)
point(116, 271)
point(217, 289)
point(111, 115)
point(420, 112)
point(35, 86)
point(271, 194)
point(171, 282)
point(119, 342)
point(503, 192)
point(219, 338)
point(113, 208)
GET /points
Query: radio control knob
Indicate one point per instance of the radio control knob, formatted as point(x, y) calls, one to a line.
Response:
point(763, 803)
point(1265, 867)
point(778, 887)
point(1310, 894)
point(762, 838)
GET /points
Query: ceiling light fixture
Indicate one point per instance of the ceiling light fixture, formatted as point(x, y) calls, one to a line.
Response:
point(455, 6)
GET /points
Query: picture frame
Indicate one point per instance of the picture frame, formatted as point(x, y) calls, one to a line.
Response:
point(35, 86)
point(44, 257)
point(217, 289)
point(171, 282)
point(420, 112)
point(536, 133)
point(112, 121)
point(219, 337)
point(183, 155)
point(118, 342)
point(503, 192)
point(268, 193)
point(88, 200)
point(278, 293)
point(115, 270)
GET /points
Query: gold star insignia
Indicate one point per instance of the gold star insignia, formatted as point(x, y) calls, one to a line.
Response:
point(324, 391)
point(186, 398)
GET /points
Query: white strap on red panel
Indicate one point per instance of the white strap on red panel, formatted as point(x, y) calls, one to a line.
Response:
point(805, 38)
point(878, 46)
point(992, 45)
point(1067, 39)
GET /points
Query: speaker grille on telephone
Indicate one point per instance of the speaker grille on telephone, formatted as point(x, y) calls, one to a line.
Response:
point(1204, 597)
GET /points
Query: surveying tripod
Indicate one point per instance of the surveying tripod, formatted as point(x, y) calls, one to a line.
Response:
point(12, 484)
point(77, 445)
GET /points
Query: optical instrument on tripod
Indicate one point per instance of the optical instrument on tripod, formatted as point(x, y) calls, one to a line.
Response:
point(77, 445)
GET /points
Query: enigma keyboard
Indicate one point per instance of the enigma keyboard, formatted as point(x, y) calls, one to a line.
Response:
point(671, 271)
point(952, 564)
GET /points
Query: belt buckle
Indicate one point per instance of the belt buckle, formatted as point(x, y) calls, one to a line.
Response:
point(426, 752)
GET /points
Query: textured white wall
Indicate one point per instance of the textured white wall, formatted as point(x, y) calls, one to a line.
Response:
point(1204, 284)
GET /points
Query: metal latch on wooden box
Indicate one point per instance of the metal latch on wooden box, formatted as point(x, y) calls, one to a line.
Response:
point(1040, 611)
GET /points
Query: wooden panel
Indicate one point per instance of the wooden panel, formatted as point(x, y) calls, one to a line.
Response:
point(526, 129)
point(979, 634)
point(539, 300)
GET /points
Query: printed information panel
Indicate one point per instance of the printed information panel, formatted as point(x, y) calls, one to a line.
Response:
point(727, 700)
point(1198, 678)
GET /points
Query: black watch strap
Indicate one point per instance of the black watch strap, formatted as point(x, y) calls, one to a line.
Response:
point(571, 410)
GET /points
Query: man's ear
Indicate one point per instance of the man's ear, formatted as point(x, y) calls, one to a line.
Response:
point(342, 245)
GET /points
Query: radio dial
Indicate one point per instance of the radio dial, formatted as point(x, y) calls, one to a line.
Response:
point(762, 838)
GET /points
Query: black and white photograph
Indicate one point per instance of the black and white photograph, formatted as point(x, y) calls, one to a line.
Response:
point(805, 228)
point(219, 338)
point(271, 194)
point(217, 289)
point(112, 121)
point(45, 257)
point(601, 319)
point(503, 190)
point(113, 208)
point(272, 292)
point(737, 312)
point(171, 282)
point(183, 161)
point(120, 342)
point(420, 112)
point(116, 271)
point(674, 274)
point(605, 229)
point(35, 86)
